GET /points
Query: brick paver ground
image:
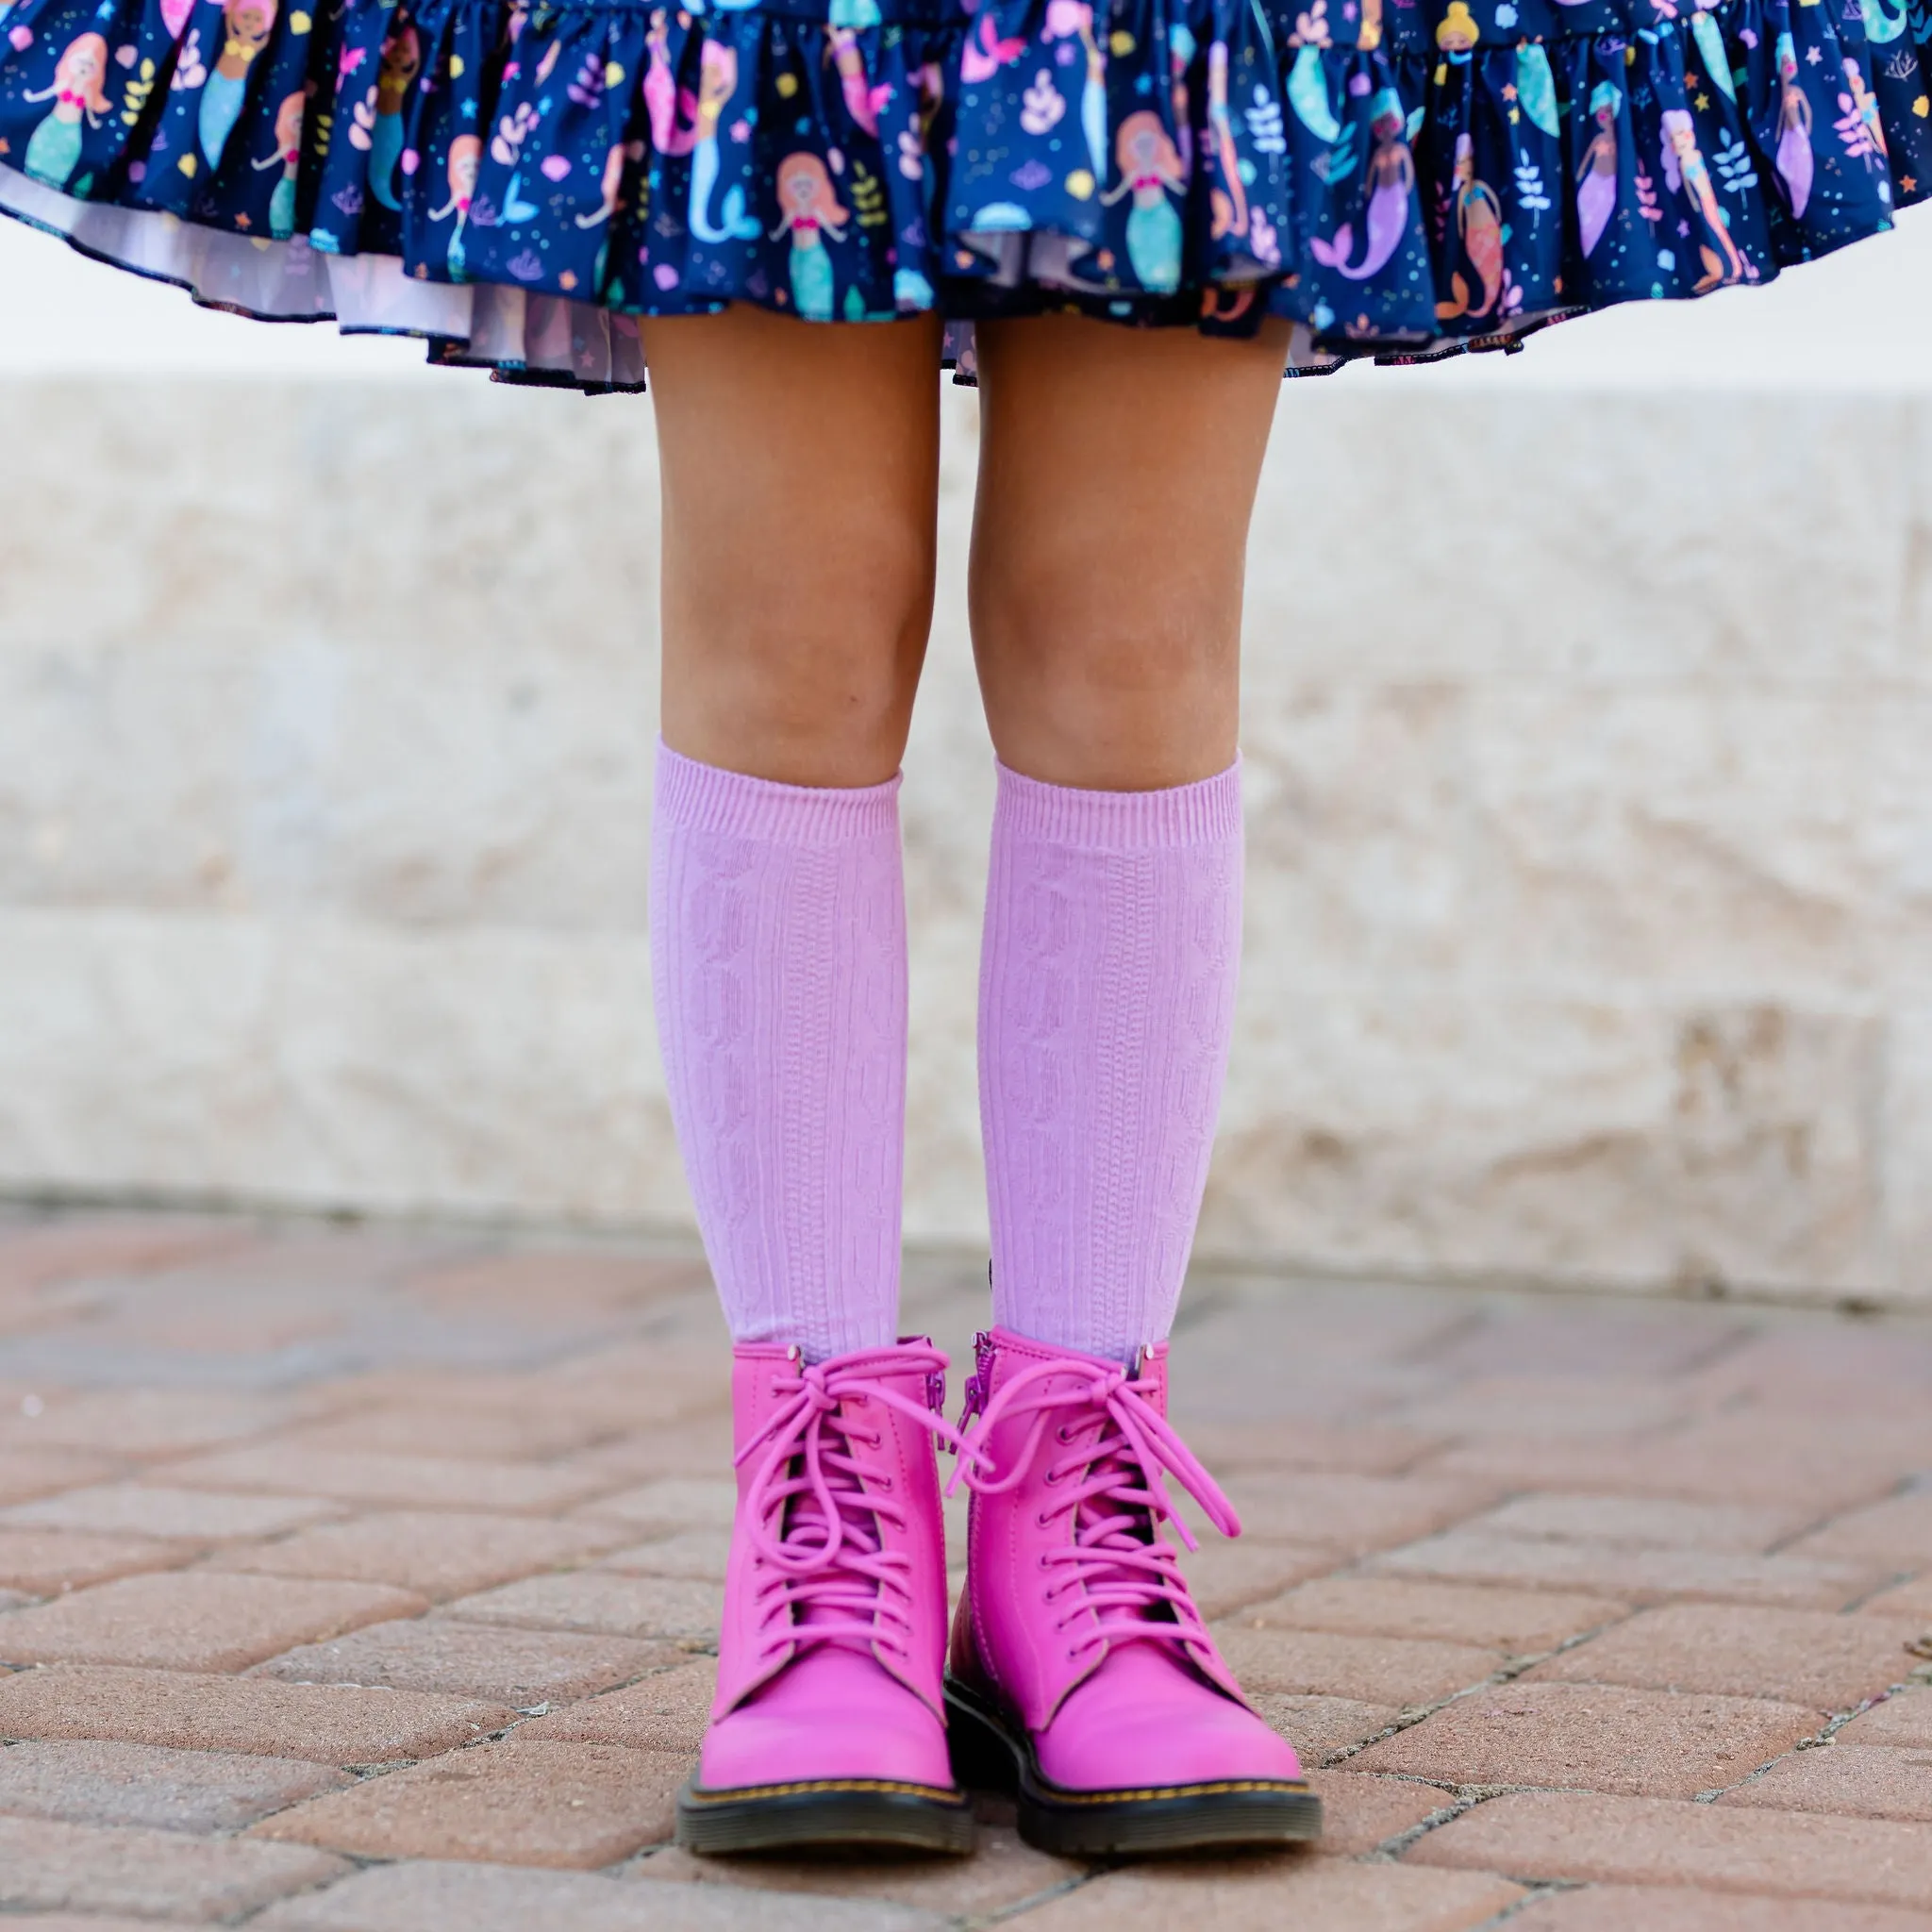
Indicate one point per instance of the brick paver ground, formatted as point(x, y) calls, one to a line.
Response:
point(367, 1581)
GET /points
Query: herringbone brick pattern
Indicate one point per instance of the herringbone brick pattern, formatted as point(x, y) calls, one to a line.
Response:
point(366, 1581)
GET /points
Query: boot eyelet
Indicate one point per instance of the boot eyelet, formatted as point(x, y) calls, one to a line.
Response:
point(1063, 1435)
point(1053, 1475)
point(1040, 1518)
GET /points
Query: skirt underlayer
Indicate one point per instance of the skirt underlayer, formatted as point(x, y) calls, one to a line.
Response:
point(519, 183)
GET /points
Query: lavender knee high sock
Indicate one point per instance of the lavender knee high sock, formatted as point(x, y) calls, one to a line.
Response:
point(778, 964)
point(1106, 1005)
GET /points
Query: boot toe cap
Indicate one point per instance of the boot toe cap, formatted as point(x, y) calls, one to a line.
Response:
point(852, 1721)
point(1168, 1729)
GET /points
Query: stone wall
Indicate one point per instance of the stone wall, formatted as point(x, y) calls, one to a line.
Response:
point(1590, 773)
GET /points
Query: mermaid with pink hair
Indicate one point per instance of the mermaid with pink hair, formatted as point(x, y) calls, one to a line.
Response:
point(54, 152)
point(460, 168)
point(288, 158)
point(1150, 172)
point(808, 212)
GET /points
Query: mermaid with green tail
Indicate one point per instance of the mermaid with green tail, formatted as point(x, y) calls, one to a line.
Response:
point(1150, 172)
point(53, 150)
point(810, 211)
point(288, 158)
point(465, 159)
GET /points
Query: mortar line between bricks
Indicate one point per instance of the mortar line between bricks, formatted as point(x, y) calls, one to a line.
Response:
point(1467, 1798)
point(1463, 1799)
point(1005, 1914)
point(618, 1867)
point(1534, 1892)
point(1415, 1714)
point(1506, 1673)
point(1779, 1544)
point(1859, 1601)
point(1392, 1847)
point(1811, 1741)
point(356, 1866)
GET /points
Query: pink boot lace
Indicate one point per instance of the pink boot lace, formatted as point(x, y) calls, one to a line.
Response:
point(1119, 1448)
point(827, 1577)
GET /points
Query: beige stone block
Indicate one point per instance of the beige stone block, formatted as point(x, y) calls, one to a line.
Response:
point(1740, 835)
point(1588, 904)
point(1908, 1142)
point(195, 491)
point(1611, 1140)
point(311, 1060)
point(1540, 531)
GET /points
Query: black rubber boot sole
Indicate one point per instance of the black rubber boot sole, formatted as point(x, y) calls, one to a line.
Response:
point(989, 1753)
point(825, 1815)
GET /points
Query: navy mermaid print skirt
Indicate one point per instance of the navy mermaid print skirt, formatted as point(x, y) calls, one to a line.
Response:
point(518, 181)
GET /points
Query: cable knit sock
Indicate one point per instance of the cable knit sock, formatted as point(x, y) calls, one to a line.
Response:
point(778, 965)
point(1107, 992)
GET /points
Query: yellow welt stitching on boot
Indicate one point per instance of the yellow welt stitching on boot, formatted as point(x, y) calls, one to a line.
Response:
point(731, 1794)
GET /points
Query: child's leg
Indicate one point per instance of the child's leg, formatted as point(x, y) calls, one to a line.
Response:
point(800, 477)
point(1118, 474)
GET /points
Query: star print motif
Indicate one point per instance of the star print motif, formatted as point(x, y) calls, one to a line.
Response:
point(1702, 103)
point(242, 221)
point(1906, 184)
point(1812, 57)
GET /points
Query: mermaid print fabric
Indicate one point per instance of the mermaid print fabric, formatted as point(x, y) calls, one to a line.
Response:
point(519, 182)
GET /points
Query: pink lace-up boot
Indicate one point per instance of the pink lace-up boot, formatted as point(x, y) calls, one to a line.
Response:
point(1081, 1674)
point(829, 1723)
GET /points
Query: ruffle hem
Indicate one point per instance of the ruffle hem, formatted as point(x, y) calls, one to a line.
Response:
point(518, 183)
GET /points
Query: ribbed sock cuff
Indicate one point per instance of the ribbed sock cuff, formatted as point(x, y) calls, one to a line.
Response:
point(1205, 812)
point(706, 798)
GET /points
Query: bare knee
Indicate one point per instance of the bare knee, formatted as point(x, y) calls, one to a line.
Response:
point(800, 495)
point(1108, 543)
point(803, 690)
point(800, 663)
point(1122, 685)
